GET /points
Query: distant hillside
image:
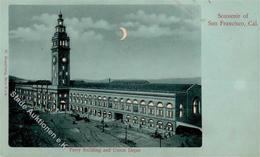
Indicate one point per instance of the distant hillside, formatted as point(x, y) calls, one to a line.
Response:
point(195, 80)
point(91, 81)
point(25, 81)
point(16, 78)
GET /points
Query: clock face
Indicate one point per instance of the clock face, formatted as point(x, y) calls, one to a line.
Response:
point(54, 60)
point(64, 59)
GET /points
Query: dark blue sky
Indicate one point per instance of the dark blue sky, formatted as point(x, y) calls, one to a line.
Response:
point(164, 41)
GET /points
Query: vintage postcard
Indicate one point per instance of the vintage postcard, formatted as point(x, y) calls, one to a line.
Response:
point(130, 78)
point(103, 79)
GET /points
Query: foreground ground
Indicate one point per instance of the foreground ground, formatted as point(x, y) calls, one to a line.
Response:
point(24, 131)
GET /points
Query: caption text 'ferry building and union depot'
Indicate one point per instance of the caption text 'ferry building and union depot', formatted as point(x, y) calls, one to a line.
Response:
point(141, 104)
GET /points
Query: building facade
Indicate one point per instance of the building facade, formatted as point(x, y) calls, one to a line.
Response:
point(144, 105)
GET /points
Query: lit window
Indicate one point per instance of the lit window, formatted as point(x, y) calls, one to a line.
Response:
point(159, 104)
point(159, 124)
point(128, 101)
point(150, 103)
point(135, 120)
point(135, 102)
point(196, 106)
point(142, 121)
point(150, 123)
point(63, 67)
point(181, 111)
point(169, 105)
point(169, 127)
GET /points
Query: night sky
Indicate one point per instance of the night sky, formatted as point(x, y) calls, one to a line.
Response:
point(164, 41)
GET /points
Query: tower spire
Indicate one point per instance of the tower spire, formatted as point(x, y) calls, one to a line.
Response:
point(60, 14)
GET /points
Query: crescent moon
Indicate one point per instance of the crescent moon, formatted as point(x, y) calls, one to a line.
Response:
point(124, 33)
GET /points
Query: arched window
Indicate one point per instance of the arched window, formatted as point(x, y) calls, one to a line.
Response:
point(169, 126)
point(151, 123)
point(196, 106)
point(109, 115)
point(122, 105)
point(143, 107)
point(135, 106)
point(135, 102)
point(159, 125)
point(142, 121)
point(159, 104)
point(160, 109)
point(181, 111)
point(169, 111)
point(150, 104)
point(128, 104)
point(127, 118)
point(151, 108)
point(115, 103)
point(104, 114)
point(169, 105)
point(135, 120)
point(142, 102)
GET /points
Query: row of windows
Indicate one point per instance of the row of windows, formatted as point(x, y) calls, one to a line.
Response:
point(60, 43)
point(134, 119)
point(158, 111)
point(92, 111)
point(80, 98)
point(60, 29)
point(150, 122)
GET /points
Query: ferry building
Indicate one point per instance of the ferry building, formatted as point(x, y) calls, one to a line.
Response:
point(161, 107)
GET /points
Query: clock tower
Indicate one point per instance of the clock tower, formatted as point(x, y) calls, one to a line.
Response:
point(60, 55)
point(61, 63)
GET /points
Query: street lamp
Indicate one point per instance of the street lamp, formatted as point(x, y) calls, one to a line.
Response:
point(103, 123)
point(160, 137)
point(126, 124)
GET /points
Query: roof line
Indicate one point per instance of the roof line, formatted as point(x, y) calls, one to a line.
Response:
point(190, 87)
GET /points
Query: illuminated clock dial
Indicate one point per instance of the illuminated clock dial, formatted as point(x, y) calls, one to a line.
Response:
point(64, 59)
